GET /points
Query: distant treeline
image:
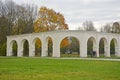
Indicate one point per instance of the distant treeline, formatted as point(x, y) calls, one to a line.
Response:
point(15, 19)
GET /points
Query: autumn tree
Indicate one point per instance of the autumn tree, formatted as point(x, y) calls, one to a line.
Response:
point(64, 44)
point(49, 20)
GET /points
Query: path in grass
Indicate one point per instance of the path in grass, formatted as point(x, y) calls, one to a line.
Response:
point(12, 68)
point(102, 59)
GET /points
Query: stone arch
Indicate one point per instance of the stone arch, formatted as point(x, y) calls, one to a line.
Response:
point(113, 47)
point(91, 46)
point(82, 36)
point(37, 46)
point(14, 48)
point(25, 47)
point(103, 46)
point(49, 42)
point(70, 47)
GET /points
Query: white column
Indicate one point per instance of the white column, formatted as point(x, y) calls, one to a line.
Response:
point(107, 51)
point(20, 50)
point(96, 48)
point(79, 47)
point(9, 49)
point(117, 52)
point(44, 48)
point(31, 50)
point(56, 48)
point(83, 48)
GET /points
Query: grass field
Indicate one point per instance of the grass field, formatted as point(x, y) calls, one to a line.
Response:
point(12, 68)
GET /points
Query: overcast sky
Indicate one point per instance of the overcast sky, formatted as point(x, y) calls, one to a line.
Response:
point(78, 11)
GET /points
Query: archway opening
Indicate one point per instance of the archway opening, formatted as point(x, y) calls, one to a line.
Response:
point(113, 47)
point(25, 48)
point(69, 47)
point(14, 48)
point(50, 47)
point(102, 47)
point(91, 49)
point(38, 47)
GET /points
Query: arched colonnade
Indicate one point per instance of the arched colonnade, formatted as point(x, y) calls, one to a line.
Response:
point(57, 36)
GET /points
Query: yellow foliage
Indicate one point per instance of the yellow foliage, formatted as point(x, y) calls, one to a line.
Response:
point(38, 43)
point(64, 43)
point(49, 20)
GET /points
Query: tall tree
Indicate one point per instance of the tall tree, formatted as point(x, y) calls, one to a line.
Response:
point(10, 8)
point(15, 19)
point(3, 29)
point(24, 22)
point(80, 28)
point(88, 26)
point(20, 18)
point(116, 27)
point(49, 20)
point(106, 28)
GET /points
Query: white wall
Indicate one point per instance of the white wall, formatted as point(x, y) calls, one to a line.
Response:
point(58, 36)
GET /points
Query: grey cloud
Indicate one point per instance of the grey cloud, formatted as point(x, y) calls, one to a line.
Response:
point(77, 11)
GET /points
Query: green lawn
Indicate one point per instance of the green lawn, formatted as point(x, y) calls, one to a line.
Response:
point(12, 68)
